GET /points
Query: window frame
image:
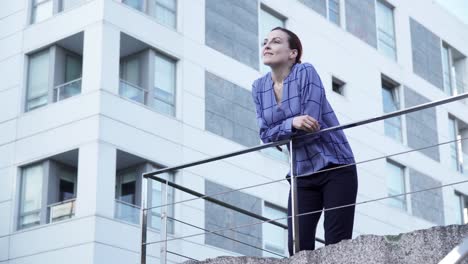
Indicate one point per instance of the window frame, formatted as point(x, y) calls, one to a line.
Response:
point(397, 92)
point(50, 191)
point(147, 63)
point(149, 7)
point(53, 62)
point(377, 28)
point(405, 186)
point(327, 6)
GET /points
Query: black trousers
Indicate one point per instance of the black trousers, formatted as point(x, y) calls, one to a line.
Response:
point(324, 190)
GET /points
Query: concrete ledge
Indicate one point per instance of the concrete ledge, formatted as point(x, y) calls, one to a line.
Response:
point(420, 246)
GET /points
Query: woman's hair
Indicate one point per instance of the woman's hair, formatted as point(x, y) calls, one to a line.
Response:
point(294, 42)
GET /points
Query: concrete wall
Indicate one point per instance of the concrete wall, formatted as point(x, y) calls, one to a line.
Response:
point(421, 125)
point(428, 205)
point(360, 20)
point(232, 29)
point(218, 217)
point(229, 111)
point(319, 6)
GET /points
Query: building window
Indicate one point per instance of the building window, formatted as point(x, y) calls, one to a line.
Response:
point(453, 65)
point(136, 74)
point(43, 9)
point(128, 192)
point(131, 85)
point(385, 29)
point(333, 7)
point(458, 149)
point(54, 74)
point(396, 185)
point(269, 19)
point(71, 83)
point(338, 86)
point(31, 196)
point(48, 190)
point(275, 238)
point(391, 103)
point(38, 80)
point(461, 210)
point(164, 84)
point(164, 11)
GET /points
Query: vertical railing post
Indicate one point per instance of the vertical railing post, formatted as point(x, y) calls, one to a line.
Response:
point(163, 249)
point(294, 208)
point(143, 219)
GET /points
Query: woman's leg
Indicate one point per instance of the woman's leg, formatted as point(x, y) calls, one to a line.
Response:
point(340, 189)
point(309, 199)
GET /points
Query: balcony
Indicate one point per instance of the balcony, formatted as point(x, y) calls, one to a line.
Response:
point(66, 90)
point(61, 210)
point(127, 212)
point(133, 92)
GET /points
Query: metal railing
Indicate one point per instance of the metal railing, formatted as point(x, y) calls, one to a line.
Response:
point(293, 183)
point(61, 210)
point(67, 89)
point(133, 92)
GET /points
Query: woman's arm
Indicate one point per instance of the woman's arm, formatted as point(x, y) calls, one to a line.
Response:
point(312, 93)
point(267, 133)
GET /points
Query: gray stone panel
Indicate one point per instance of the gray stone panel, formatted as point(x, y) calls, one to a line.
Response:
point(427, 58)
point(421, 126)
point(319, 6)
point(360, 20)
point(428, 205)
point(218, 217)
point(230, 111)
point(231, 27)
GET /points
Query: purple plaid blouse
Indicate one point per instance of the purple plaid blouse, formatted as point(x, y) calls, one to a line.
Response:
point(303, 93)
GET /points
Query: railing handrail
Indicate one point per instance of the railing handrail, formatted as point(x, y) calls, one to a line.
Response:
point(216, 201)
point(133, 85)
point(129, 204)
point(329, 129)
point(62, 202)
point(64, 84)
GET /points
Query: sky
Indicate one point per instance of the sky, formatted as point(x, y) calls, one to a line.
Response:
point(457, 7)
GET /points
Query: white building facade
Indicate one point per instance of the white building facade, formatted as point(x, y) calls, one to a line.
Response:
point(93, 93)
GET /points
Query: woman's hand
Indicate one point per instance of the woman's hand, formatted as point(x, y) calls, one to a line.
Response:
point(306, 123)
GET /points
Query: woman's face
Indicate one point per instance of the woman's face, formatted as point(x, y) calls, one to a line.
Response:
point(276, 49)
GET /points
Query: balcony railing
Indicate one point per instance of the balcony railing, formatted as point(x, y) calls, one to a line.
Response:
point(67, 90)
point(127, 212)
point(132, 91)
point(61, 210)
point(163, 242)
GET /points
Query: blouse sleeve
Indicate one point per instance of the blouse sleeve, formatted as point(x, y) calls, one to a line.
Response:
point(283, 130)
point(313, 93)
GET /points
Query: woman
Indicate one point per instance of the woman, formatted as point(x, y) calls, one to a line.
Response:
point(290, 100)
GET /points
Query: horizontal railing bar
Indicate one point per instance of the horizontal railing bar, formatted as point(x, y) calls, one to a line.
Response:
point(320, 171)
point(247, 244)
point(329, 129)
point(213, 200)
point(312, 212)
point(238, 232)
